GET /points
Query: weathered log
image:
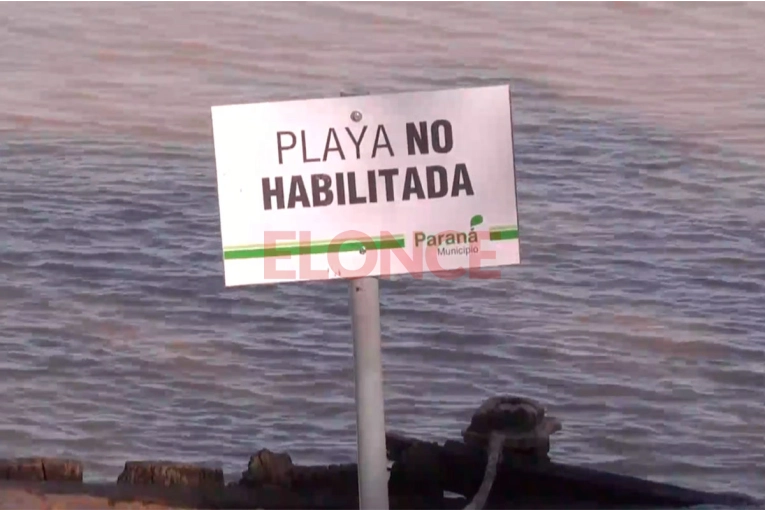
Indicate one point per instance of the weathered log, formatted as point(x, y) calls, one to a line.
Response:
point(278, 498)
point(523, 482)
point(237, 496)
point(169, 474)
point(271, 474)
point(41, 469)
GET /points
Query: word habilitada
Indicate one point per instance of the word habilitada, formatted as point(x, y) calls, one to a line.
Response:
point(344, 190)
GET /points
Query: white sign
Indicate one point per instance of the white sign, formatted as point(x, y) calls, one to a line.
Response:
point(347, 187)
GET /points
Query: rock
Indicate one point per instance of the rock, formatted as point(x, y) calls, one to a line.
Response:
point(41, 469)
point(268, 468)
point(318, 487)
point(169, 474)
point(522, 421)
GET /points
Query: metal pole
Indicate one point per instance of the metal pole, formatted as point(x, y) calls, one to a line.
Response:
point(372, 457)
point(370, 401)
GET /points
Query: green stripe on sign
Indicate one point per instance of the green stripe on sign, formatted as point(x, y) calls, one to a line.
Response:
point(318, 248)
point(503, 235)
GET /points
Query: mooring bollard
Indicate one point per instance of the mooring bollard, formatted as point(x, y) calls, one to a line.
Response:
point(521, 421)
point(514, 424)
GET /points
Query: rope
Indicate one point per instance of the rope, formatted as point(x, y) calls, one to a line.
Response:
point(495, 452)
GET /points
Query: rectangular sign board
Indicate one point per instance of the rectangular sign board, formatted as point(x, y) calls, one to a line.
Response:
point(378, 185)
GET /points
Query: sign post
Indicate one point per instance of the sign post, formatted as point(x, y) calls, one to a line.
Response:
point(362, 186)
point(370, 402)
point(370, 398)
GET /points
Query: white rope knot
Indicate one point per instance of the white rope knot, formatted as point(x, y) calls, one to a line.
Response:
point(495, 453)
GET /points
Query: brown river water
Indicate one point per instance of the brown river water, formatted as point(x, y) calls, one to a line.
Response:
point(637, 316)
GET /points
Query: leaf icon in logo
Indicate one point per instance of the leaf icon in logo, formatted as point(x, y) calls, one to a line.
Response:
point(476, 220)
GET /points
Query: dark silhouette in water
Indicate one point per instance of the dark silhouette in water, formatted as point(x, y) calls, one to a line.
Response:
point(422, 472)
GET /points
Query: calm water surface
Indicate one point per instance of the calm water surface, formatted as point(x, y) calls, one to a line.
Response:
point(637, 316)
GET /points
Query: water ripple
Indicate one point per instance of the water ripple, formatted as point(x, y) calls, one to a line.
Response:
point(636, 315)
